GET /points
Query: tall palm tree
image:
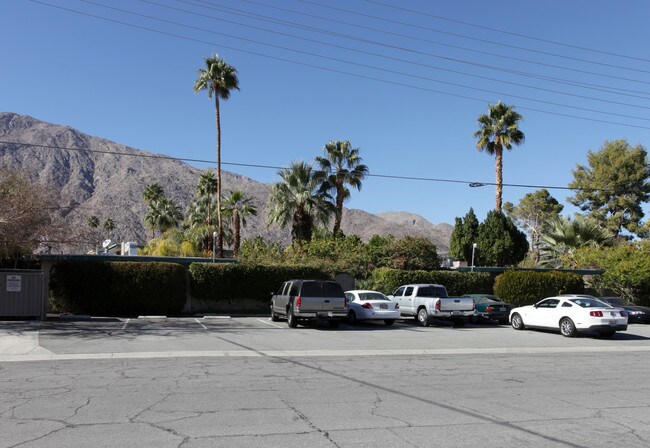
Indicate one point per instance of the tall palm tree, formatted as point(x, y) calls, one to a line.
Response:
point(238, 207)
point(299, 201)
point(342, 166)
point(499, 129)
point(219, 79)
point(207, 187)
point(201, 210)
point(163, 215)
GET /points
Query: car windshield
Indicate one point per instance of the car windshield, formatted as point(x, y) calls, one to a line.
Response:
point(589, 303)
point(372, 296)
point(613, 301)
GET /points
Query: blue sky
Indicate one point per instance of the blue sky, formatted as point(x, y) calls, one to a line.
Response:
point(402, 80)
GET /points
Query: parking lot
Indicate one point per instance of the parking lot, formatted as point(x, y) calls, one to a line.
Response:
point(249, 382)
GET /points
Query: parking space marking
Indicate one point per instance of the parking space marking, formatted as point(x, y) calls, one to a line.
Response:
point(125, 324)
point(269, 323)
point(204, 327)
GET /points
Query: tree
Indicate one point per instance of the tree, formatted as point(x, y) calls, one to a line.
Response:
point(109, 225)
point(238, 207)
point(464, 235)
point(163, 215)
point(499, 129)
point(414, 253)
point(152, 192)
point(342, 166)
point(205, 190)
point(219, 79)
point(562, 236)
point(499, 241)
point(298, 200)
point(614, 186)
point(533, 211)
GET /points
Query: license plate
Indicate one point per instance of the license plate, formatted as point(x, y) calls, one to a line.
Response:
point(383, 306)
point(613, 323)
point(503, 308)
point(455, 313)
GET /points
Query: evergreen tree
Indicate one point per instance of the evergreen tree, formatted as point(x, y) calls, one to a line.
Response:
point(499, 241)
point(465, 234)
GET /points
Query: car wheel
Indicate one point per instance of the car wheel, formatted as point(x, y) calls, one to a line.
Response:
point(292, 320)
point(389, 322)
point(334, 323)
point(352, 318)
point(423, 317)
point(567, 328)
point(607, 334)
point(274, 317)
point(517, 322)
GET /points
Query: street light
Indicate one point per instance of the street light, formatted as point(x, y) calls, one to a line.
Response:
point(214, 244)
point(473, 250)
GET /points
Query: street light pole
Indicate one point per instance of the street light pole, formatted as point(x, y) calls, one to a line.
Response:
point(214, 239)
point(473, 250)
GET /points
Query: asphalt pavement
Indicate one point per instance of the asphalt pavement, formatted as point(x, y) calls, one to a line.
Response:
point(250, 382)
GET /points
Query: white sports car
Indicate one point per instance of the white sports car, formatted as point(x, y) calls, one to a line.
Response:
point(570, 314)
point(367, 305)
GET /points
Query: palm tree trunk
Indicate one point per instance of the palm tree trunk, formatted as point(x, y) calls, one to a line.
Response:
point(236, 221)
point(339, 210)
point(219, 223)
point(499, 171)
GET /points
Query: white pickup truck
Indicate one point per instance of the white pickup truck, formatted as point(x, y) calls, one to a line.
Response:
point(426, 301)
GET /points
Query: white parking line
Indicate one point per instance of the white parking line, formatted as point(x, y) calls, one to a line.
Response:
point(125, 324)
point(269, 323)
point(204, 327)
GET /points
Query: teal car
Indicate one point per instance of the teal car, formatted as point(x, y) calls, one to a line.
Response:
point(489, 307)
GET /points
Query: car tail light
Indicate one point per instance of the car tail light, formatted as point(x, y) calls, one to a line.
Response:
point(473, 304)
point(366, 306)
point(438, 305)
point(397, 306)
point(298, 302)
point(623, 314)
point(489, 308)
point(596, 313)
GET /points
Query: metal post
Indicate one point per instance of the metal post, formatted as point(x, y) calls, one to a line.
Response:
point(473, 249)
point(214, 244)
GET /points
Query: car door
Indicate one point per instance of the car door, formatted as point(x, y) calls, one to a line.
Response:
point(545, 314)
point(281, 298)
point(397, 296)
point(408, 301)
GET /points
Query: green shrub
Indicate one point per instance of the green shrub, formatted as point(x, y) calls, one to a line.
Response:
point(244, 287)
point(457, 283)
point(118, 288)
point(527, 287)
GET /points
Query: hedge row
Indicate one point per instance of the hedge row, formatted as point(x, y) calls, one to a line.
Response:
point(244, 287)
point(526, 287)
point(118, 288)
point(457, 283)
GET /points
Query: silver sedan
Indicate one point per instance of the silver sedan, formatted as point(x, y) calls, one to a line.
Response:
point(370, 305)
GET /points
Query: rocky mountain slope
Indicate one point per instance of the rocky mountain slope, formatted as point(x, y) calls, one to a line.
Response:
point(95, 176)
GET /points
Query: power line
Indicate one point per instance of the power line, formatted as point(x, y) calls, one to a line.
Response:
point(392, 58)
point(586, 109)
point(372, 78)
point(357, 25)
point(516, 47)
point(469, 183)
point(510, 33)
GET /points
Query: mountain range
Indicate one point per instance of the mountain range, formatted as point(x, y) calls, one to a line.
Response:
point(94, 176)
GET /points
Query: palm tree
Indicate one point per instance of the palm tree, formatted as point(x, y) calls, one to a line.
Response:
point(298, 200)
point(238, 207)
point(109, 226)
point(93, 221)
point(561, 236)
point(499, 129)
point(152, 192)
point(217, 78)
point(200, 211)
point(342, 166)
point(207, 187)
point(163, 215)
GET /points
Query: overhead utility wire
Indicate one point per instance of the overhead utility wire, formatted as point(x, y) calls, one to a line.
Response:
point(336, 34)
point(304, 64)
point(516, 47)
point(251, 165)
point(392, 58)
point(524, 36)
point(601, 87)
point(406, 61)
point(280, 47)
